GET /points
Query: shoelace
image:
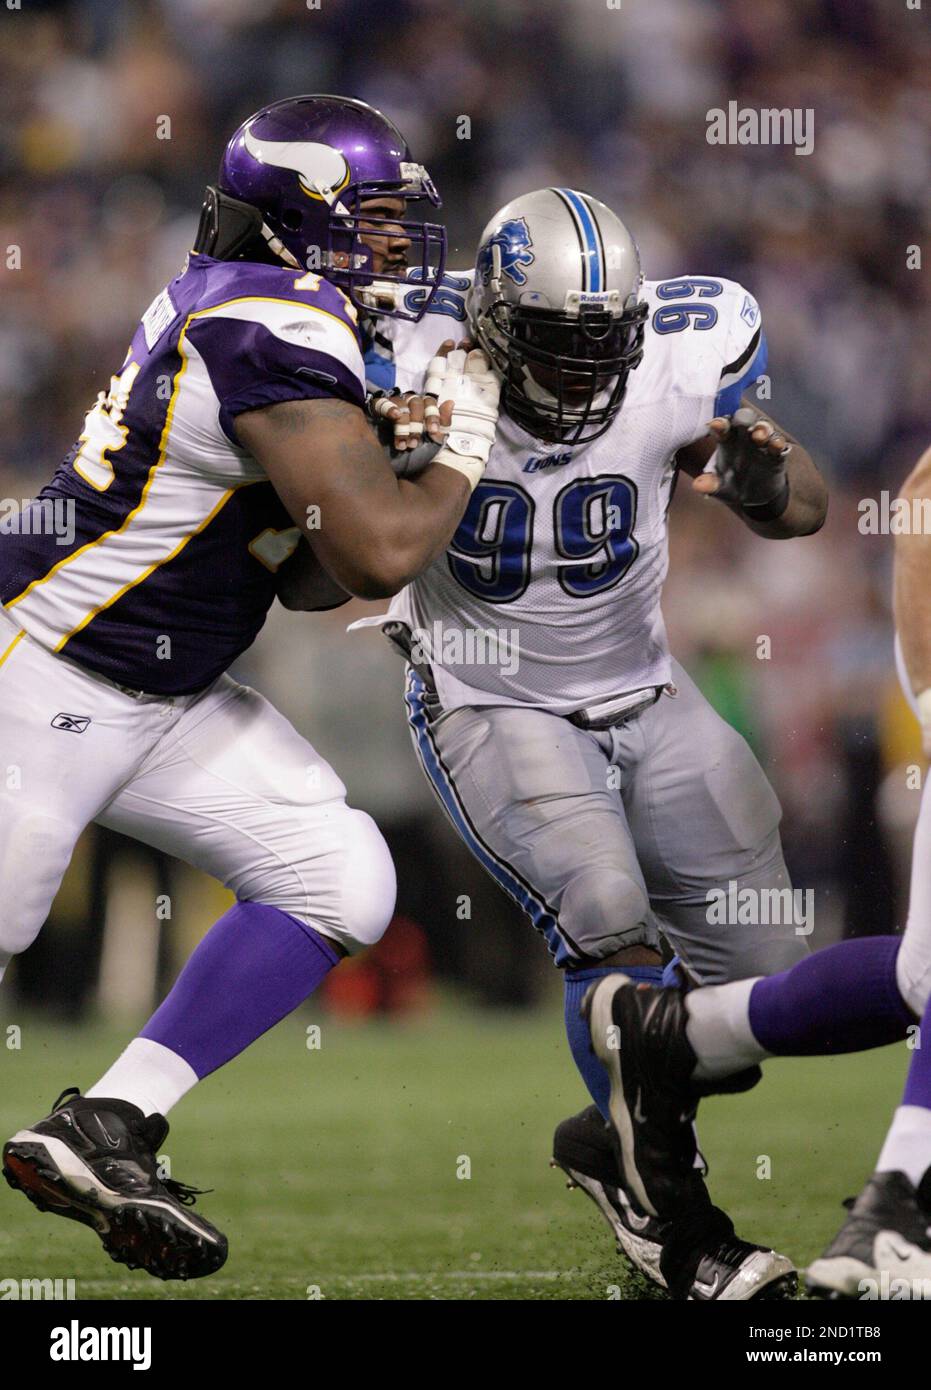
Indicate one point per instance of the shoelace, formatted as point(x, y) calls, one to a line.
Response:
point(154, 1131)
point(65, 1096)
point(182, 1192)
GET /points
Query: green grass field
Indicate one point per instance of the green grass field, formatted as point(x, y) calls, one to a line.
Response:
point(337, 1168)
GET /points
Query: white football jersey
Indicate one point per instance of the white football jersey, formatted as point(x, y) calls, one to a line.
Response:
point(549, 593)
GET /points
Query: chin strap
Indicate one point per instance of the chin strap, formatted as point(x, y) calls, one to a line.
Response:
point(228, 227)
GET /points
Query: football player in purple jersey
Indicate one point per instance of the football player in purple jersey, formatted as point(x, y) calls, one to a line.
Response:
point(232, 440)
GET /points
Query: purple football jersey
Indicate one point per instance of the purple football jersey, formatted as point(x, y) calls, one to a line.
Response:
point(177, 532)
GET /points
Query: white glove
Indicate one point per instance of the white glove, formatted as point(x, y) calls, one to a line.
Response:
point(467, 380)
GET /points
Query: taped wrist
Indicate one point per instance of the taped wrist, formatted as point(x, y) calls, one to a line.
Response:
point(471, 468)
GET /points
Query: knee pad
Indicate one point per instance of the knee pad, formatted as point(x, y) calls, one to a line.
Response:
point(35, 850)
point(369, 883)
point(602, 910)
point(333, 871)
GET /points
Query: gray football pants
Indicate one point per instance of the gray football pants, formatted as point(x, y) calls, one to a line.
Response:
point(607, 838)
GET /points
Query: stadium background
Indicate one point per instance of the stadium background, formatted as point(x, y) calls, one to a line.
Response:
point(568, 91)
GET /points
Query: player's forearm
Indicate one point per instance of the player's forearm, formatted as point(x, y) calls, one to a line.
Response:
point(407, 535)
point(371, 531)
point(913, 585)
point(374, 551)
point(304, 585)
point(433, 504)
point(807, 505)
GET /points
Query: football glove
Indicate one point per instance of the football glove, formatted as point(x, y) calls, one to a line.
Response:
point(750, 464)
point(468, 381)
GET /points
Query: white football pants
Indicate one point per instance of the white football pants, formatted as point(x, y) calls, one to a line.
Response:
point(219, 779)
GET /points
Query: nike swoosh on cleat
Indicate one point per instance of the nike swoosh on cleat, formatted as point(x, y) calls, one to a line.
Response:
point(639, 1223)
point(903, 1255)
point(108, 1137)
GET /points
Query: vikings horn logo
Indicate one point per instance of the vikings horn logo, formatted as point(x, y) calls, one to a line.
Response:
point(514, 242)
point(317, 166)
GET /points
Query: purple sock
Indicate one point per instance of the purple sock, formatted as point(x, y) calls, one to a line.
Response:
point(842, 999)
point(252, 968)
point(918, 1081)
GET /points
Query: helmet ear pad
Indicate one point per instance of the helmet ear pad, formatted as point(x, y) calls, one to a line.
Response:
point(231, 230)
point(228, 227)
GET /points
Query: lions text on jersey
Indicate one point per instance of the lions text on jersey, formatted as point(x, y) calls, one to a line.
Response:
point(178, 533)
point(561, 556)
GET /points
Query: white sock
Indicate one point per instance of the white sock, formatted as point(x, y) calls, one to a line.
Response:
point(719, 1029)
point(148, 1075)
point(908, 1144)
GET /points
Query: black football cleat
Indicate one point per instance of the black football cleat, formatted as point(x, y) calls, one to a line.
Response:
point(94, 1161)
point(584, 1149)
point(885, 1239)
point(638, 1033)
point(704, 1260)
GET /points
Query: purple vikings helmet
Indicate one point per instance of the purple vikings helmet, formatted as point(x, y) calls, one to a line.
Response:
point(291, 185)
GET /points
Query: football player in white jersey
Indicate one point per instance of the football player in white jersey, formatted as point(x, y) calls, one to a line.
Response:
point(233, 433)
point(573, 755)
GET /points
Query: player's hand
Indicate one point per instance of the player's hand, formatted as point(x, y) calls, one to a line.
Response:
point(415, 418)
point(748, 469)
point(466, 381)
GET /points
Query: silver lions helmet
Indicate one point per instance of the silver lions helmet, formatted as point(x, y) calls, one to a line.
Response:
point(556, 306)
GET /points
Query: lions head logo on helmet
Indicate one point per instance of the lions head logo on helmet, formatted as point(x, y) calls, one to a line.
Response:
point(512, 238)
point(563, 323)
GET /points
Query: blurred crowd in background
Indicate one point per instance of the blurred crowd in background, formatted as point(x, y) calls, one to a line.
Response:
point(611, 99)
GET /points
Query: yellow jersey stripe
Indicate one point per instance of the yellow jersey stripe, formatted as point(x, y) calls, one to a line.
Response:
point(276, 299)
point(140, 579)
point(16, 640)
point(117, 530)
point(163, 441)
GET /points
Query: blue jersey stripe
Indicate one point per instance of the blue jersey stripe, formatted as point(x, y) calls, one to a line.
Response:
point(728, 399)
point(596, 271)
point(542, 916)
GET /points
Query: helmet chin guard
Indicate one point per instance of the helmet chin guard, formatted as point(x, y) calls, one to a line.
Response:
point(556, 305)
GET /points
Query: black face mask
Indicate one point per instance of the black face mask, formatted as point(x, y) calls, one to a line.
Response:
point(576, 359)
